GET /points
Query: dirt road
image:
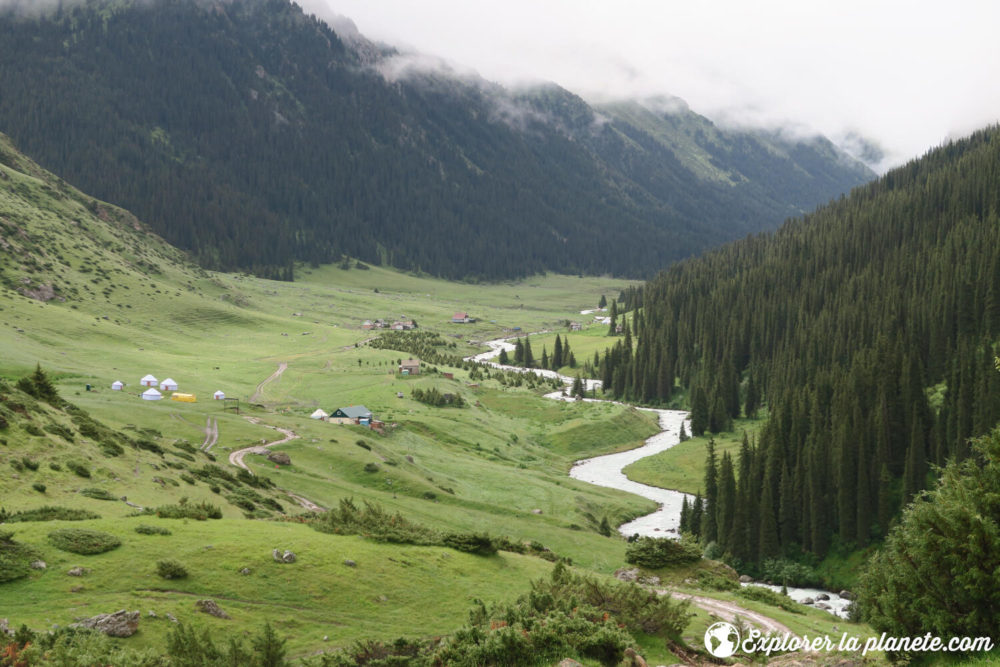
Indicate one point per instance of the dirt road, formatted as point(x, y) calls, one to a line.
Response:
point(728, 611)
point(276, 375)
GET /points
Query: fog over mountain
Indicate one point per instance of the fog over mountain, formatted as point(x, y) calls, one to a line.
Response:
point(901, 76)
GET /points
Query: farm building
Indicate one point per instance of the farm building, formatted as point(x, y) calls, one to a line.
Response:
point(151, 394)
point(148, 381)
point(319, 414)
point(410, 367)
point(168, 385)
point(354, 414)
point(461, 318)
point(219, 395)
point(117, 385)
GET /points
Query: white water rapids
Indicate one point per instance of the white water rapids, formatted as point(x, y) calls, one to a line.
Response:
point(606, 471)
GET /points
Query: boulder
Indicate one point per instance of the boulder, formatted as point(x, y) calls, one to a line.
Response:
point(210, 608)
point(5, 628)
point(122, 623)
point(823, 605)
point(171, 617)
point(633, 659)
point(281, 458)
point(847, 595)
point(245, 571)
point(808, 601)
point(569, 662)
point(746, 579)
point(78, 571)
point(823, 597)
point(38, 565)
point(651, 580)
point(350, 563)
point(627, 574)
point(536, 511)
point(286, 557)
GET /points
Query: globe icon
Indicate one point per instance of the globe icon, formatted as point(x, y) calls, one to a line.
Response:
point(722, 639)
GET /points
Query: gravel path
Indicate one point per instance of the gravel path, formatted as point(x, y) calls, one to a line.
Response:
point(276, 375)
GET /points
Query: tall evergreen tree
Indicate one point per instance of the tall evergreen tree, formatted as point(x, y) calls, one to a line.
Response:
point(709, 525)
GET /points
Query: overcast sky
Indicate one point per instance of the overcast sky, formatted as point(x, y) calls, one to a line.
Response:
point(906, 74)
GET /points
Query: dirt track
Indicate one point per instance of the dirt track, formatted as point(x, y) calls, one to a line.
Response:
point(276, 375)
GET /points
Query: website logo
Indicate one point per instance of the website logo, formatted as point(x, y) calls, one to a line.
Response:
point(722, 639)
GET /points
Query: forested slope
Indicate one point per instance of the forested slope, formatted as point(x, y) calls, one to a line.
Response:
point(868, 328)
point(254, 136)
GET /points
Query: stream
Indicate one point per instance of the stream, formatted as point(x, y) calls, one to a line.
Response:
point(606, 471)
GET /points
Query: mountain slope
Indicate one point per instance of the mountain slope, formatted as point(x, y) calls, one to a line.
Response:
point(253, 136)
point(869, 327)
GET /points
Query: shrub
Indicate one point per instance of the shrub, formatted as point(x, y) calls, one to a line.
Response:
point(78, 468)
point(52, 513)
point(55, 466)
point(146, 529)
point(97, 494)
point(657, 552)
point(187, 478)
point(361, 443)
point(15, 558)
point(767, 596)
point(149, 446)
point(28, 463)
point(61, 431)
point(375, 522)
point(170, 569)
point(789, 573)
point(82, 541)
point(198, 512)
point(111, 449)
point(33, 430)
point(38, 486)
point(473, 543)
point(716, 582)
point(371, 467)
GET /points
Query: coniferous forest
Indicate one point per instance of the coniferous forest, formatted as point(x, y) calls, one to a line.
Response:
point(867, 331)
point(254, 136)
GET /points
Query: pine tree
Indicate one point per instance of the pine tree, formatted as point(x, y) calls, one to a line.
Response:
point(557, 354)
point(613, 325)
point(726, 511)
point(518, 352)
point(529, 359)
point(709, 526)
point(503, 359)
point(603, 302)
point(697, 514)
point(699, 412)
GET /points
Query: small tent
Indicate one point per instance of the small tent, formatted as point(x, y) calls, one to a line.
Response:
point(151, 395)
point(168, 385)
point(319, 414)
point(117, 385)
point(219, 395)
point(148, 381)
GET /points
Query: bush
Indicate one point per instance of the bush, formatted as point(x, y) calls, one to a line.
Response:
point(657, 552)
point(146, 529)
point(789, 573)
point(200, 512)
point(38, 486)
point(52, 513)
point(361, 443)
point(371, 467)
point(28, 463)
point(33, 430)
point(716, 582)
point(479, 544)
point(187, 478)
point(82, 541)
point(15, 558)
point(767, 596)
point(79, 468)
point(97, 494)
point(170, 569)
point(55, 466)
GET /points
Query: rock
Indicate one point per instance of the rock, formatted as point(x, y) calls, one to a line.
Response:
point(326, 638)
point(78, 571)
point(823, 605)
point(651, 580)
point(171, 617)
point(38, 565)
point(633, 659)
point(536, 511)
point(245, 571)
point(5, 627)
point(847, 595)
point(151, 613)
point(350, 563)
point(281, 458)
point(286, 557)
point(569, 662)
point(808, 601)
point(409, 458)
point(121, 623)
point(746, 579)
point(76, 589)
point(627, 574)
point(823, 597)
point(210, 608)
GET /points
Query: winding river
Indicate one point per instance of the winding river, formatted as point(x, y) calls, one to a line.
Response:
point(606, 471)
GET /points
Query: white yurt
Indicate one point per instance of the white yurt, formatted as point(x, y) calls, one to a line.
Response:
point(148, 381)
point(168, 385)
point(151, 395)
point(219, 395)
point(319, 414)
point(117, 385)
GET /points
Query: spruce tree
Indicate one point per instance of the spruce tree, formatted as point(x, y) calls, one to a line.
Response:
point(557, 354)
point(709, 525)
point(699, 412)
